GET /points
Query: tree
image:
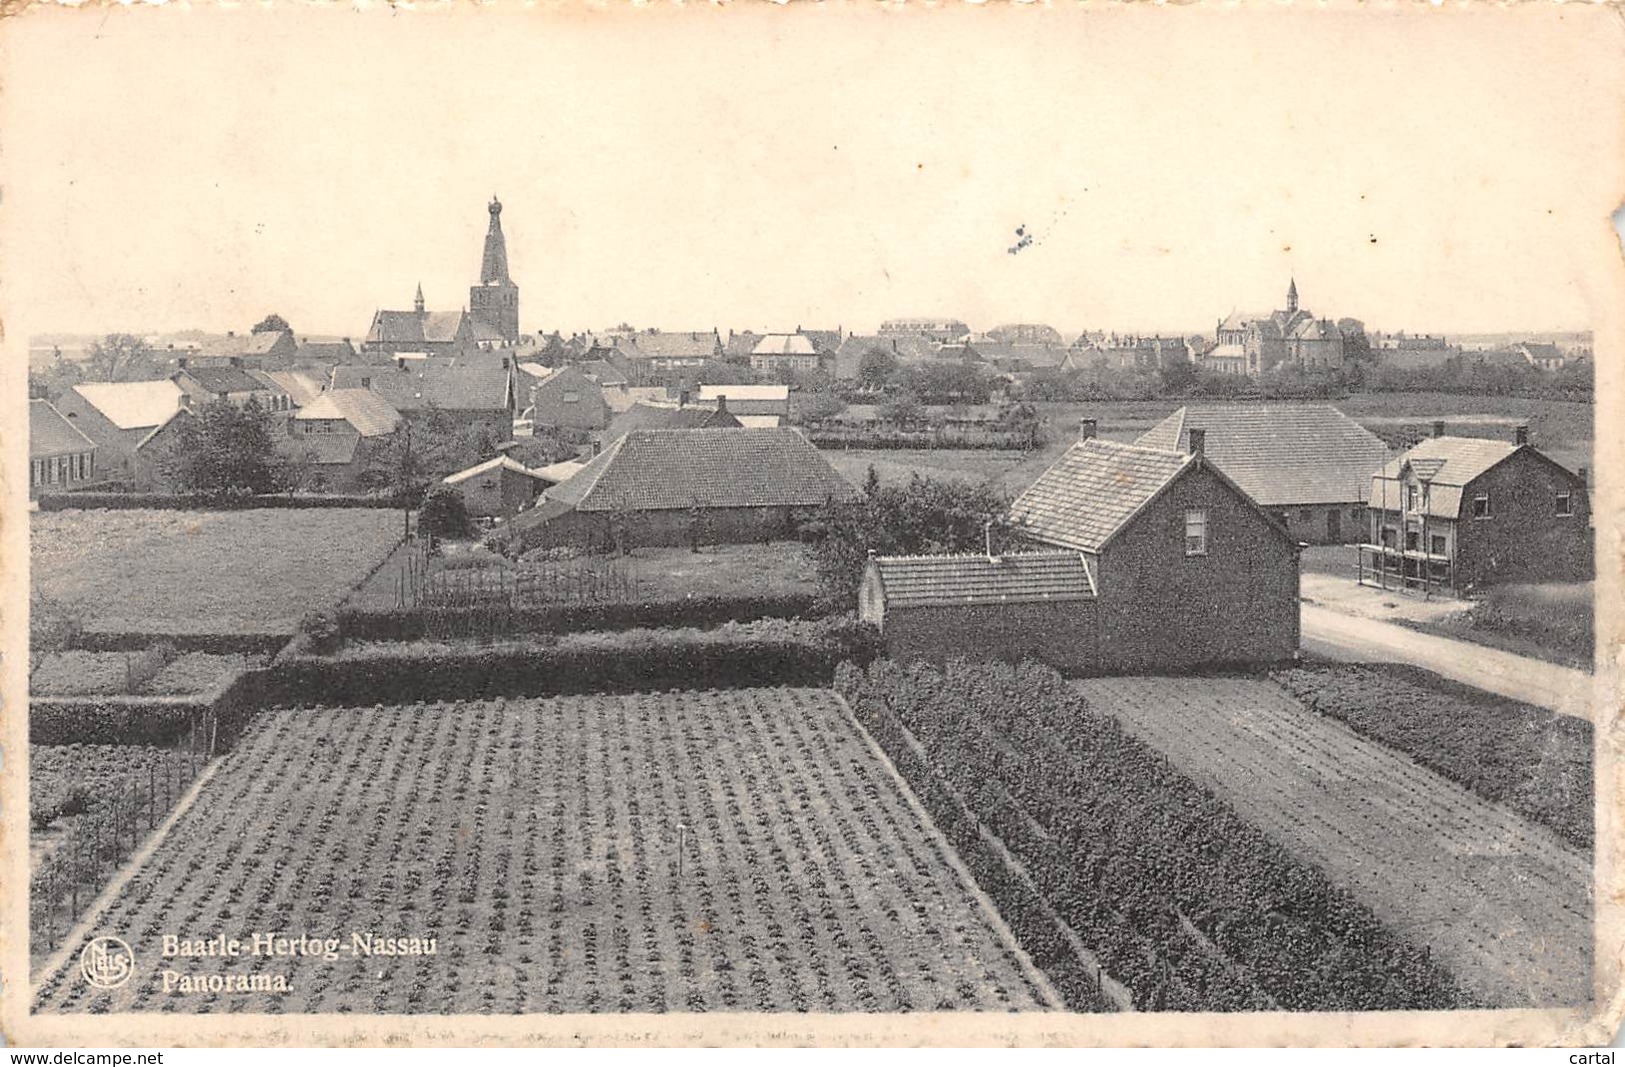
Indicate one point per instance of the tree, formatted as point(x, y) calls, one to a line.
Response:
point(425, 447)
point(272, 323)
point(222, 450)
point(876, 367)
point(120, 357)
point(444, 514)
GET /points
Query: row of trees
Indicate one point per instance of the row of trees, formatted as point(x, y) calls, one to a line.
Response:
point(116, 357)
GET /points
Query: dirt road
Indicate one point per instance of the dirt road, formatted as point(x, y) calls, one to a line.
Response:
point(1346, 637)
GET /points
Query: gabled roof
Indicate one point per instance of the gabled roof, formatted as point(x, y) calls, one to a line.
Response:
point(562, 471)
point(50, 433)
point(506, 463)
point(133, 405)
point(324, 352)
point(1280, 454)
point(663, 469)
point(369, 413)
point(259, 344)
point(219, 381)
point(666, 344)
point(1026, 577)
point(441, 327)
point(784, 344)
point(1093, 490)
point(472, 382)
point(645, 415)
point(823, 340)
point(740, 344)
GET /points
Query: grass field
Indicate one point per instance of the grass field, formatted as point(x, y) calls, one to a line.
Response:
point(204, 572)
point(696, 851)
point(1501, 901)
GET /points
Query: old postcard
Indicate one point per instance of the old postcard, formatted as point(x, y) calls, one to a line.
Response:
point(850, 524)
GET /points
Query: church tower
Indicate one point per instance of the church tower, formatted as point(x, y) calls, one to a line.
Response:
point(495, 300)
point(1291, 294)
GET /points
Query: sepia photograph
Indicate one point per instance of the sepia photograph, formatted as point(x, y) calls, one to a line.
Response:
point(810, 524)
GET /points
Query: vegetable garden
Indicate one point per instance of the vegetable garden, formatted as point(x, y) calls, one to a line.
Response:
point(1502, 902)
point(742, 850)
point(1188, 905)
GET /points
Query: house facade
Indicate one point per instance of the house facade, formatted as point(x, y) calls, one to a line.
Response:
point(787, 352)
point(60, 457)
point(331, 441)
point(498, 488)
point(118, 417)
point(567, 399)
point(1457, 514)
point(231, 384)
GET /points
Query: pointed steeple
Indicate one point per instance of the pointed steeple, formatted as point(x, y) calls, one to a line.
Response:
point(1292, 296)
point(494, 267)
point(417, 301)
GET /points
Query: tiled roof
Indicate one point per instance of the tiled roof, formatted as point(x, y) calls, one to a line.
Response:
point(665, 344)
point(784, 344)
point(740, 344)
point(301, 388)
point(1280, 454)
point(258, 344)
point(369, 413)
point(823, 340)
point(648, 416)
point(441, 326)
point(1450, 464)
point(220, 381)
point(50, 433)
point(602, 371)
point(503, 462)
point(324, 352)
point(917, 581)
point(1092, 491)
point(133, 405)
point(473, 382)
point(662, 469)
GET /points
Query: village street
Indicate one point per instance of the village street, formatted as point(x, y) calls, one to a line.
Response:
point(1343, 636)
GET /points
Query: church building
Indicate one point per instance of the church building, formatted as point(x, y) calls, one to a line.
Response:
point(1253, 344)
point(491, 319)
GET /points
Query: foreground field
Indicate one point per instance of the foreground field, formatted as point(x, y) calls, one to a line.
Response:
point(696, 851)
point(204, 572)
point(1501, 901)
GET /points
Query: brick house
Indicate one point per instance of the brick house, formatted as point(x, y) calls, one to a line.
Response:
point(498, 488)
point(1026, 605)
point(331, 439)
point(786, 352)
point(1189, 571)
point(476, 391)
point(1309, 464)
point(1458, 513)
point(665, 415)
point(566, 398)
point(119, 417)
point(233, 385)
point(676, 487)
point(60, 457)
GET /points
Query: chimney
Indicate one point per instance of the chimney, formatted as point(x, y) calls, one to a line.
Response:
point(597, 447)
point(1198, 441)
point(1438, 427)
point(400, 362)
point(231, 333)
point(987, 540)
point(682, 396)
point(180, 361)
point(1520, 434)
point(1585, 478)
point(504, 362)
point(722, 403)
point(1087, 428)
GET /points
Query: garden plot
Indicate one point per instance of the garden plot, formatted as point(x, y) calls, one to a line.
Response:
point(1501, 901)
point(687, 851)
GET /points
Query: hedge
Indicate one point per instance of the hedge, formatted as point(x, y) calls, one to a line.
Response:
point(218, 644)
point(410, 624)
point(636, 663)
point(113, 720)
point(87, 501)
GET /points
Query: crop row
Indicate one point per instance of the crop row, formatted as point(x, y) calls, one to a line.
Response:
point(1187, 904)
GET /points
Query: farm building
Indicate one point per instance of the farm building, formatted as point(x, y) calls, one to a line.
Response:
point(1308, 464)
point(59, 456)
point(330, 440)
point(498, 488)
point(1457, 513)
point(475, 391)
point(1188, 569)
point(119, 417)
point(1026, 605)
point(676, 487)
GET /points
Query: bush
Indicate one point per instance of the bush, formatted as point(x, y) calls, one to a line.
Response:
point(444, 514)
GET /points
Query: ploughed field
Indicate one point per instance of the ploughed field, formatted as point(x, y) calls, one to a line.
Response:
point(743, 850)
point(1502, 901)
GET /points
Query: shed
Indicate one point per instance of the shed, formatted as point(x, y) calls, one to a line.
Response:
point(498, 488)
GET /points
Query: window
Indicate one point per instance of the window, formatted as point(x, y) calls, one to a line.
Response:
point(1389, 536)
point(571, 397)
point(1354, 514)
point(36, 472)
point(1304, 514)
point(1196, 532)
point(1413, 540)
point(1413, 497)
point(1437, 545)
point(1565, 504)
point(1481, 506)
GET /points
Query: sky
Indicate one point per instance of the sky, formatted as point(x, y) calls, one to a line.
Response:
point(769, 168)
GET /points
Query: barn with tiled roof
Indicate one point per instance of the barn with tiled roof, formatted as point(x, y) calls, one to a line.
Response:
point(1310, 464)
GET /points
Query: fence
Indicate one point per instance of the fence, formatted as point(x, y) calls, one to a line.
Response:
point(111, 824)
point(421, 583)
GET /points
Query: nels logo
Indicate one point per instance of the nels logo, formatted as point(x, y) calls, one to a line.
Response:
point(107, 962)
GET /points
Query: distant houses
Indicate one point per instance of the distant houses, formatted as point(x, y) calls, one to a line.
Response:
point(1290, 336)
point(60, 457)
point(1455, 514)
point(565, 399)
point(1147, 560)
point(475, 391)
point(676, 487)
point(1310, 465)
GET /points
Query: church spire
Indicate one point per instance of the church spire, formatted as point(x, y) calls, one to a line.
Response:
point(1292, 296)
point(494, 267)
point(417, 301)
